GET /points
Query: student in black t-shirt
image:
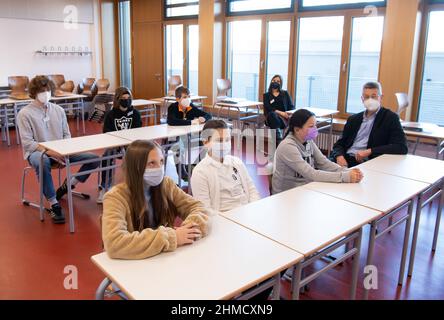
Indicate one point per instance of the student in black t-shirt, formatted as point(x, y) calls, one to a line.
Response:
point(276, 104)
point(121, 117)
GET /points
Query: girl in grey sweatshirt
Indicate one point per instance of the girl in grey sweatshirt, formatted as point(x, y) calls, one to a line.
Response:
point(299, 161)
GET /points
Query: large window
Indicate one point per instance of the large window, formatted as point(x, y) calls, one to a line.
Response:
point(193, 58)
point(236, 7)
point(431, 107)
point(181, 8)
point(244, 47)
point(319, 62)
point(364, 58)
point(278, 46)
point(125, 44)
point(174, 51)
point(182, 54)
point(305, 5)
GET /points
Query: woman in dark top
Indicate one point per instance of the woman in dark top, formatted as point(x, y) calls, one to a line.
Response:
point(276, 104)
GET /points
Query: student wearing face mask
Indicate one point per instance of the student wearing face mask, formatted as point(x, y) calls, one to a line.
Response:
point(299, 161)
point(121, 117)
point(139, 215)
point(371, 133)
point(276, 104)
point(221, 181)
point(183, 112)
point(43, 121)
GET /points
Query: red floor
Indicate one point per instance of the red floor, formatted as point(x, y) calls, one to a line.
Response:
point(33, 254)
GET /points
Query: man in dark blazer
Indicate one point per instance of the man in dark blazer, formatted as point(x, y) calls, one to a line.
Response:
point(370, 133)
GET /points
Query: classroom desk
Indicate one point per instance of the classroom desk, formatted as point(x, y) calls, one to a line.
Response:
point(421, 169)
point(386, 193)
point(429, 131)
point(73, 146)
point(243, 110)
point(147, 109)
point(72, 102)
point(310, 223)
point(323, 113)
point(223, 265)
point(164, 131)
point(10, 108)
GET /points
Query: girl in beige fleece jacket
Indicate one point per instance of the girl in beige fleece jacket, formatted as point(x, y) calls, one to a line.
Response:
point(139, 214)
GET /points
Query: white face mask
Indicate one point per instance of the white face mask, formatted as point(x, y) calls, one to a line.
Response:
point(372, 104)
point(185, 102)
point(153, 177)
point(44, 97)
point(220, 149)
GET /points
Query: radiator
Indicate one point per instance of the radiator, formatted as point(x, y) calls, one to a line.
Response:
point(323, 140)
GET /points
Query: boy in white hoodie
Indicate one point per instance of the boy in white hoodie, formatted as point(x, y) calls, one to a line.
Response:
point(221, 181)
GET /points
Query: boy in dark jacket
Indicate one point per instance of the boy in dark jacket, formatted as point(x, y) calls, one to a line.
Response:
point(183, 112)
point(121, 117)
point(371, 133)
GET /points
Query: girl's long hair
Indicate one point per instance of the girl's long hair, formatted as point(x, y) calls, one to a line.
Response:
point(165, 212)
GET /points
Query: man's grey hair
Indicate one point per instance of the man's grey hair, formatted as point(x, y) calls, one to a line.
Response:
point(373, 85)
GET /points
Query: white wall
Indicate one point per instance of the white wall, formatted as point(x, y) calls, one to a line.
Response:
point(22, 37)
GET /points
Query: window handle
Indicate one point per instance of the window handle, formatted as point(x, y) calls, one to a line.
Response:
point(344, 66)
point(262, 64)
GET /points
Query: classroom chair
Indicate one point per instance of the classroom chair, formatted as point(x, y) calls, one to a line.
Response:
point(37, 205)
point(102, 103)
point(19, 87)
point(173, 82)
point(223, 86)
point(62, 88)
point(101, 86)
point(403, 102)
point(86, 88)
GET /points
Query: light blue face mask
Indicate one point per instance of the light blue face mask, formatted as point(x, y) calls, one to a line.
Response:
point(154, 177)
point(220, 150)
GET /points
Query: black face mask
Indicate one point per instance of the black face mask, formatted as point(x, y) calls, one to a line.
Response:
point(275, 86)
point(125, 103)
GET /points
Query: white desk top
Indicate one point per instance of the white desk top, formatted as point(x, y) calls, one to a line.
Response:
point(241, 104)
point(228, 261)
point(411, 167)
point(377, 190)
point(429, 130)
point(156, 132)
point(67, 147)
point(318, 112)
point(303, 220)
point(171, 98)
point(14, 101)
point(143, 102)
point(69, 97)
